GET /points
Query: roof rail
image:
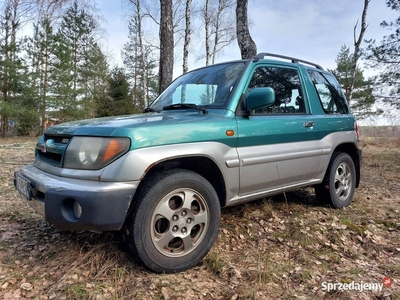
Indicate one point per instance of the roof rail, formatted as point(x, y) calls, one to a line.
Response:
point(294, 60)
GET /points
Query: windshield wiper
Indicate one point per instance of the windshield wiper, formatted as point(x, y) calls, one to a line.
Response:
point(185, 105)
point(149, 109)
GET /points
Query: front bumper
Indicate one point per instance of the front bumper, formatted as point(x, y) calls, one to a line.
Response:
point(78, 204)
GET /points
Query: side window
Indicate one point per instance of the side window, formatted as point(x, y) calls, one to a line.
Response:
point(286, 84)
point(330, 93)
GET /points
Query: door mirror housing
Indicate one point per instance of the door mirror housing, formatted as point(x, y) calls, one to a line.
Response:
point(260, 97)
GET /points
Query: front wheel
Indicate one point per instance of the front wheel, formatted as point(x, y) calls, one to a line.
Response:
point(339, 183)
point(174, 221)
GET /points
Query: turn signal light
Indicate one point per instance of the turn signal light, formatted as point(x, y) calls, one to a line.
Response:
point(230, 132)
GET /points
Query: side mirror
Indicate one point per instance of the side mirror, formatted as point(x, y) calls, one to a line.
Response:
point(260, 97)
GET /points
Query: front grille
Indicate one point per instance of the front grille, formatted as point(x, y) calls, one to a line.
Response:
point(51, 156)
point(51, 149)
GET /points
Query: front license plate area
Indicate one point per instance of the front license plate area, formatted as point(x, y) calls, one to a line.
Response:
point(23, 186)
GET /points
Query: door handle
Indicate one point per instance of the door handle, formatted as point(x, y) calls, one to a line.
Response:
point(309, 124)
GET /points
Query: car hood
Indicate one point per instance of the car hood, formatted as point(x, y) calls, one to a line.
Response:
point(106, 126)
point(151, 129)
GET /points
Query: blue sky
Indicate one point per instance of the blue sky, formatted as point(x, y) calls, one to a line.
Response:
point(313, 30)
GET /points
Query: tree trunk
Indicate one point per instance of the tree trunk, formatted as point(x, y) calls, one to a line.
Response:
point(219, 30)
point(166, 45)
point(187, 37)
point(5, 70)
point(357, 44)
point(216, 35)
point(135, 82)
point(207, 29)
point(43, 106)
point(247, 46)
point(142, 55)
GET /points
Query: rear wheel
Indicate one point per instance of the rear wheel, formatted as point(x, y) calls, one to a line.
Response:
point(339, 183)
point(174, 221)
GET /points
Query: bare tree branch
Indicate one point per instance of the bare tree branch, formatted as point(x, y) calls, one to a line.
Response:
point(357, 45)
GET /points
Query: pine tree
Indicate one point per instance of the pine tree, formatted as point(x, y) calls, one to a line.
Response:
point(65, 103)
point(16, 105)
point(98, 80)
point(362, 97)
point(131, 56)
point(139, 65)
point(40, 53)
point(25, 103)
point(386, 58)
point(76, 45)
point(119, 98)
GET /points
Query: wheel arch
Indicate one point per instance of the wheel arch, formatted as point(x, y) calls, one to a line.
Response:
point(201, 165)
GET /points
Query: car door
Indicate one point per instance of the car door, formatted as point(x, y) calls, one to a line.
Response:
point(278, 146)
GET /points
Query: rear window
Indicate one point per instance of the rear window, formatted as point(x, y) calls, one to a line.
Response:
point(330, 93)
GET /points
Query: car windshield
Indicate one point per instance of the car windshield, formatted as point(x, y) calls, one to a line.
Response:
point(209, 87)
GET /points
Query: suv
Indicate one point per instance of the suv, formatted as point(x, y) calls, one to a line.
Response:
point(217, 136)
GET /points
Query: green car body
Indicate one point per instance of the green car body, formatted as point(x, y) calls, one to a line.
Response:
point(236, 132)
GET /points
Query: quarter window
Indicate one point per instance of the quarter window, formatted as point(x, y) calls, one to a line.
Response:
point(287, 87)
point(330, 93)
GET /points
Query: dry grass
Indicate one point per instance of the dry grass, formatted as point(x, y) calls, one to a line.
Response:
point(277, 248)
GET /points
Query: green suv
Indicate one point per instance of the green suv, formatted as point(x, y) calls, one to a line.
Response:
point(217, 136)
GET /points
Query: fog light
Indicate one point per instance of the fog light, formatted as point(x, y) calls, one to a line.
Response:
point(77, 209)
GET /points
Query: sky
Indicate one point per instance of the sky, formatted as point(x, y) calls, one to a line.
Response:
point(312, 30)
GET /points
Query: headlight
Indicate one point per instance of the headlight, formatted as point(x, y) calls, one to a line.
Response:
point(93, 153)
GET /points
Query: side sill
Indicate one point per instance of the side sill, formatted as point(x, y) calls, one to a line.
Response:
point(259, 195)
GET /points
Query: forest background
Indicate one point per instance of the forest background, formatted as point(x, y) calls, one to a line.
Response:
point(56, 66)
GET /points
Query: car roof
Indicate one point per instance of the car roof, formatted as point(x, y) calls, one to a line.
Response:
point(283, 57)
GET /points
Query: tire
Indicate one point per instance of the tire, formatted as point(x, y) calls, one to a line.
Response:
point(174, 221)
point(339, 183)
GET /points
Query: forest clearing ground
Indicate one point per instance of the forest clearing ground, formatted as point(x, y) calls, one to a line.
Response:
point(282, 247)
